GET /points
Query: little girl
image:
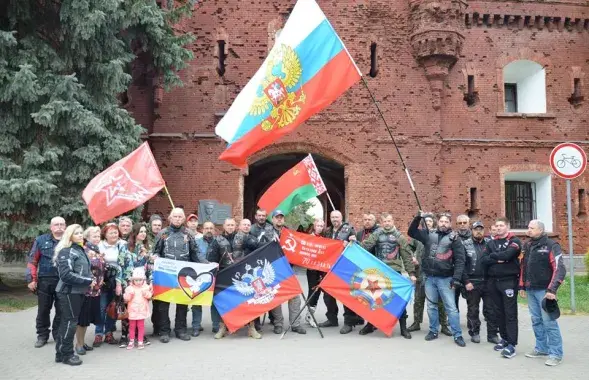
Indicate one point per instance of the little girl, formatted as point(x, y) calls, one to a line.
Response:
point(137, 296)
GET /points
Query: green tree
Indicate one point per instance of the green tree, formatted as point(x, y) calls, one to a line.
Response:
point(299, 217)
point(63, 67)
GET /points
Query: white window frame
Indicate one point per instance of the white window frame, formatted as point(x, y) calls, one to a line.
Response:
point(543, 195)
point(530, 80)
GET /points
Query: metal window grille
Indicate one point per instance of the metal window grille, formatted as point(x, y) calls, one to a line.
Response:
point(510, 97)
point(520, 203)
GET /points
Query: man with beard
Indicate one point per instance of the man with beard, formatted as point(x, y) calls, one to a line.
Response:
point(174, 242)
point(339, 230)
point(42, 278)
point(442, 264)
point(208, 229)
point(226, 249)
point(475, 287)
point(294, 304)
point(419, 302)
point(502, 269)
point(155, 226)
point(369, 224)
point(262, 227)
point(463, 229)
point(390, 247)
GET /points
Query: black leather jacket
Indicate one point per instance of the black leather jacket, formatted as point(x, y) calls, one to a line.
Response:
point(73, 267)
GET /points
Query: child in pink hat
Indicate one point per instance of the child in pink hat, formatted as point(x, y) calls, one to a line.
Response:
point(137, 296)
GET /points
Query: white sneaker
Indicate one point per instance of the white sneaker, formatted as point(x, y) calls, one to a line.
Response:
point(553, 362)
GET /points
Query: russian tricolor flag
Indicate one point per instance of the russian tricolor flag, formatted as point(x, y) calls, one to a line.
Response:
point(307, 69)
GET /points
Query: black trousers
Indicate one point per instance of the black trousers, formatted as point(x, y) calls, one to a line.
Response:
point(457, 298)
point(164, 318)
point(46, 299)
point(350, 318)
point(155, 313)
point(70, 305)
point(503, 292)
point(473, 300)
point(314, 277)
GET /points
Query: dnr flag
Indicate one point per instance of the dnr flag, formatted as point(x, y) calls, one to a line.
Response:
point(369, 287)
point(183, 282)
point(255, 285)
point(307, 69)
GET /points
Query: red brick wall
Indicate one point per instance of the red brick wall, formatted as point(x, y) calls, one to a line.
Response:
point(350, 131)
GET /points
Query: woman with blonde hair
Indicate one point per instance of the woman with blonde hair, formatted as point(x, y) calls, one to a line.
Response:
point(73, 267)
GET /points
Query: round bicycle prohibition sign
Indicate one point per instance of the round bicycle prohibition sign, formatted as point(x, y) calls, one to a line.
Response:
point(568, 160)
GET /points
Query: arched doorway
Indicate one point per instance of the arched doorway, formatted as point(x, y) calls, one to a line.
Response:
point(263, 173)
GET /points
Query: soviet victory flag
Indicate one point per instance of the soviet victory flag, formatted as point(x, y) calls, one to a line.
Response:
point(124, 186)
point(299, 184)
point(307, 69)
point(369, 287)
point(255, 285)
point(311, 252)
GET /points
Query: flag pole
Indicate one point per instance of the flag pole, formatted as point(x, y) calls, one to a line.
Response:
point(305, 306)
point(330, 201)
point(169, 196)
point(405, 168)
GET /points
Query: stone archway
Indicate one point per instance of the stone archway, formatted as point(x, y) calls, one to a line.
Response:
point(264, 172)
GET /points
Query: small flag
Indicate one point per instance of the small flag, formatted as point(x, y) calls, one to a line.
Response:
point(307, 69)
point(369, 287)
point(298, 185)
point(311, 252)
point(183, 282)
point(255, 285)
point(124, 186)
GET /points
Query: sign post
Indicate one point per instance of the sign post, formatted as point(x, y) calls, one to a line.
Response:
point(569, 161)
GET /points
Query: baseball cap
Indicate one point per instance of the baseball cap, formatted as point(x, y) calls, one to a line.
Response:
point(192, 216)
point(276, 213)
point(551, 308)
point(477, 225)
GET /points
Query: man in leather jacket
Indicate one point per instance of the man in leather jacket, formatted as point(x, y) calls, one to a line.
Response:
point(339, 230)
point(475, 288)
point(175, 242)
point(442, 264)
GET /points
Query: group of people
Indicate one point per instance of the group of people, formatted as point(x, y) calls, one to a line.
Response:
point(82, 273)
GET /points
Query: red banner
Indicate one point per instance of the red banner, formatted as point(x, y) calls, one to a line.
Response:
point(125, 185)
point(311, 252)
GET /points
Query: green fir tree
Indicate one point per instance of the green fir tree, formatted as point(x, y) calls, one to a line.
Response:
point(63, 67)
point(298, 217)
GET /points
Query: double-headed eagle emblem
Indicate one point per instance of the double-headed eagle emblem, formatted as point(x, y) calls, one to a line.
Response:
point(256, 281)
point(283, 73)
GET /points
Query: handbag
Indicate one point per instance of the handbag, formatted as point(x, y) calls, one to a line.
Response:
point(117, 309)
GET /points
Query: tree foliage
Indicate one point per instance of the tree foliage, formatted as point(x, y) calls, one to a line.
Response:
point(299, 217)
point(63, 65)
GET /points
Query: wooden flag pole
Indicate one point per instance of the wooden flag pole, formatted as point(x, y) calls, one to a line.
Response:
point(330, 201)
point(169, 197)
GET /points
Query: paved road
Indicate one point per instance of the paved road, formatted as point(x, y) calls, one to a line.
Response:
point(296, 356)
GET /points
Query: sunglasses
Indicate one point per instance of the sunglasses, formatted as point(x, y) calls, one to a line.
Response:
point(461, 222)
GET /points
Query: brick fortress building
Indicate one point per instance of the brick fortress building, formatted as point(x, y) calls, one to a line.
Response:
point(476, 93)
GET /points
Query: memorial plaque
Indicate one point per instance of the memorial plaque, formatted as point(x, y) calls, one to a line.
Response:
point(210, 210)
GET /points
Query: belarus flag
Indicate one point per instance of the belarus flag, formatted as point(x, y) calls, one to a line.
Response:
point(307, 69)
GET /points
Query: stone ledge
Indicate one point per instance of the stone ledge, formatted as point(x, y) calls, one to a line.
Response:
point(520, 115)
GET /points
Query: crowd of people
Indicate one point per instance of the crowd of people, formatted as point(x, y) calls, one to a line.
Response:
point(81, 272)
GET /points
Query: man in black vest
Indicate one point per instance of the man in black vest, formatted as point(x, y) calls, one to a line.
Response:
point(339, 230)
point(42, 278)
point(442, 264)
point(502, 269)
point(475, 287)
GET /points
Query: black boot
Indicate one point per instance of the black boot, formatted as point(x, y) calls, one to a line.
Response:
point(368, 329)
point(415, 326)
point(404, 331)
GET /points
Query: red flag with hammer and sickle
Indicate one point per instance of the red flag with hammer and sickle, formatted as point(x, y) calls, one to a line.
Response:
point(311, 252)
point(125, 185)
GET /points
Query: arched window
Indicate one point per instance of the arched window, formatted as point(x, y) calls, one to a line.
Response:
point(524, 87)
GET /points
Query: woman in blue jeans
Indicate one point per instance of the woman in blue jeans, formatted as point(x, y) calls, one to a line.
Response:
point(110, 247)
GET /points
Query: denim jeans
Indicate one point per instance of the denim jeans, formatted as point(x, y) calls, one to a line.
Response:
point(106, 323)
point(196, 317)
point(439, 287)
point(546, 330)
point(215, 317)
